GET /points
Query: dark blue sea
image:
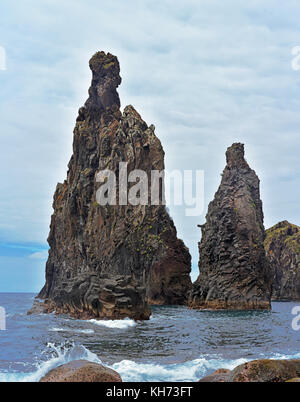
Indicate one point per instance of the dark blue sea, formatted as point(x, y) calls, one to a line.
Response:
point(177, 344)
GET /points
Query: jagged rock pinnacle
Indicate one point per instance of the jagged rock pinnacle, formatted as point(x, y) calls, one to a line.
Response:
point(234, 271)
point(103, 101)
point(235, 156)
point(111, 261)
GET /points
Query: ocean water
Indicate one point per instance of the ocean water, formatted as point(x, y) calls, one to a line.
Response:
point(177, 344)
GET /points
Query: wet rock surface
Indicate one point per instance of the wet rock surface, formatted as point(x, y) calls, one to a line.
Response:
point(81, 371)
point(282, 245)
point(234, 271)
point(220, 375)
point(111, 261)
point(264, 370)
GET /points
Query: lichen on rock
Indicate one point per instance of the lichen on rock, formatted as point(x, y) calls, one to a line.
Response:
point(282, 246)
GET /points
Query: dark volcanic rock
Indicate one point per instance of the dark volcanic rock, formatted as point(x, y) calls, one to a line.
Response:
point(111, 261)
point(282, 246)
point(234, 272)
point(81, 371)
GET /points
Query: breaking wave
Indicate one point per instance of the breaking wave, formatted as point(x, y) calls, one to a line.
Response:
point(58, 355)
point(129, 370)
point(120, 324)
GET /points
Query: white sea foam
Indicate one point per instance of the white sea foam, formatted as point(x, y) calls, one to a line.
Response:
point(60, 355)
point(119, 324)
point(188, 371)
point(129, 370)
point(191, 370)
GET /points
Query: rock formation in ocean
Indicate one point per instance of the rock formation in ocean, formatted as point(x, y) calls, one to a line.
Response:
point(282, 245)
point(234, 271)
point(111, 261)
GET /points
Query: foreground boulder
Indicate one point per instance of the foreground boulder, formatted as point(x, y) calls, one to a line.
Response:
point(282, 246)
point(111, 261)
point(264, 370)
point(234, 271)
point(81, 371)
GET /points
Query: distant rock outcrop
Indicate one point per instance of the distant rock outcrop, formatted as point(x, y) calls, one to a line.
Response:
point(234, 271)
point(282, 246)
point(111, 261)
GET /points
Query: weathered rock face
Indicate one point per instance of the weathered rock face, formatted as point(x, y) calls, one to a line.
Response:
point(220, 375)
point(282, 246)
point(264, 370)
point(81, 371)
point(111, 261)
point(234, 272)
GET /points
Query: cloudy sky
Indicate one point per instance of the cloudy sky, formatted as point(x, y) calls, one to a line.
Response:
point(206, 73)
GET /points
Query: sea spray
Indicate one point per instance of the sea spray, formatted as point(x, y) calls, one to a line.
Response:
point(188, 371)
point(56, 356)
point(130, 371)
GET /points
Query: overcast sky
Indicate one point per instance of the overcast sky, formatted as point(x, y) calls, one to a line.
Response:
point(206, 73)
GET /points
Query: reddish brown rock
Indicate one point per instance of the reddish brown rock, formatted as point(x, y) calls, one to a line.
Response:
point(111, 261)
point(220, 375)
point(282, 245)
point(234, 271)
point(81, 371)
point(264, 370)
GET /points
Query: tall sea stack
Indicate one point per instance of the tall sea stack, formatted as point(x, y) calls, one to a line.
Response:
point(234, 271)
point(111, 261)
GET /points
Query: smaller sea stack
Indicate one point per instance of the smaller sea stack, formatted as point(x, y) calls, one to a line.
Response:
point(234, 271)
